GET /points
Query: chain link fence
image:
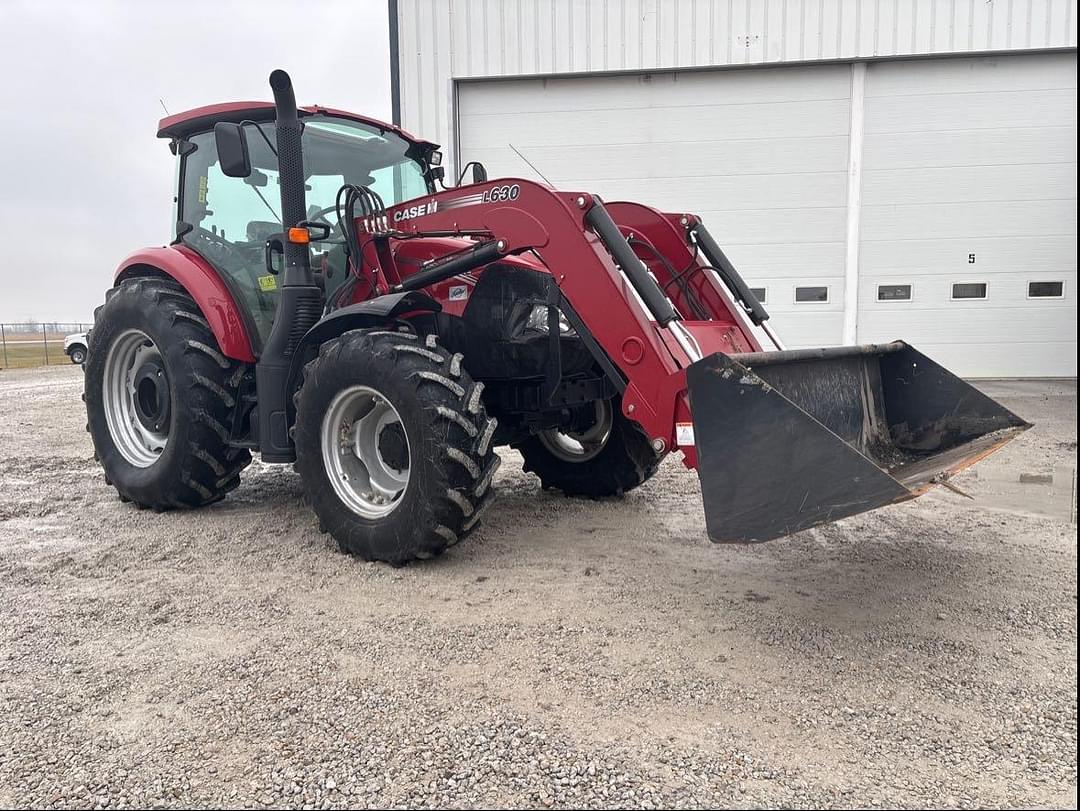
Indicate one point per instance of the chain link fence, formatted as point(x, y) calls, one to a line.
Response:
point(37, 343)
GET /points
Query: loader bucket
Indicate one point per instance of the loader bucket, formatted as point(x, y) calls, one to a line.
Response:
point(790, 440)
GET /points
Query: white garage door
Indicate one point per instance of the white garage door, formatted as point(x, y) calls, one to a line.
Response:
point(969, 181)
point(761, 154)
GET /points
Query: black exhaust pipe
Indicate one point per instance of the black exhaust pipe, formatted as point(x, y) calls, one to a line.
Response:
point(291, 172)
point(300, 303)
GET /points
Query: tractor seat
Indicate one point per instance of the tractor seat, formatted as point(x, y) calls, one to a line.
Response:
point(261, 230)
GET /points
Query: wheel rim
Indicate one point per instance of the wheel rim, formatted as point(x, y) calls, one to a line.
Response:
point(137, 398)
point(580, 446)
point(78, 356)
point(366, 451)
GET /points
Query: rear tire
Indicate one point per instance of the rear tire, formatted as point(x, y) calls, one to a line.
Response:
point(162, 439)
point(616, 456)
point(415, 478)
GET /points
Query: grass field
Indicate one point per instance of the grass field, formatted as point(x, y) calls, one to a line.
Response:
point(22, 351)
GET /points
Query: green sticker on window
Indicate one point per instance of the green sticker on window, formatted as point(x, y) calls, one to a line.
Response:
point(267, 283)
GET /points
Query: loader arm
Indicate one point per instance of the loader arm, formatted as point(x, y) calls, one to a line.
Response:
point(666, 244)
point(526, 216)
point(782, 440)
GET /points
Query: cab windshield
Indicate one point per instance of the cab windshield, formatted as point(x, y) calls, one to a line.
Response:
point(231, 218)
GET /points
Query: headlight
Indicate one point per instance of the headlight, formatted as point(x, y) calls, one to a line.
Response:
point(538, 321)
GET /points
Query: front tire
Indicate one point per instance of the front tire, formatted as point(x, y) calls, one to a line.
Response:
point(393, 445)
point(159, 398)
point(77, 355)
point(611, 457)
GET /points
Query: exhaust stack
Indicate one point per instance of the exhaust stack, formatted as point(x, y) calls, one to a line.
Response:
point(291, 173)
point(300, 303)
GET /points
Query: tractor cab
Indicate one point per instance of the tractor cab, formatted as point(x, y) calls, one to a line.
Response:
point(229, 220)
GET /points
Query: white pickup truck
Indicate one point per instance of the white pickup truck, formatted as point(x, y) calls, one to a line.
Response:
point(75, 346)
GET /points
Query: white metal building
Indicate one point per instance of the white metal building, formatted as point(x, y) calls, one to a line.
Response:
point(877, 168)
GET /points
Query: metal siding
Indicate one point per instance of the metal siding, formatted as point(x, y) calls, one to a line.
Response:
point(693, 141)
point(454, 39)
point(972, 156)
point(953, 156)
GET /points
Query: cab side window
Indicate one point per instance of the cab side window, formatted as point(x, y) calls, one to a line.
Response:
point(231, 219)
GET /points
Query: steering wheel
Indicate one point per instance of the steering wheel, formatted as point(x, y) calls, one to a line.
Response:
point(321, 215)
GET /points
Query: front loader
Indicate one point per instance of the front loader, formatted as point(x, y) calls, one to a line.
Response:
point(328, 301)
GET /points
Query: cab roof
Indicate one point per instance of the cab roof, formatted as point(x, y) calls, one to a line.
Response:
point(203, 119)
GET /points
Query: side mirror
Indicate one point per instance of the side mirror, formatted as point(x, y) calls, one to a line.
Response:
point(479, 173)
point(257, 178)
point(232, 149)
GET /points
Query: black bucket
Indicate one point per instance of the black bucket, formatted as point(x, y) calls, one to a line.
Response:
point(790, 440)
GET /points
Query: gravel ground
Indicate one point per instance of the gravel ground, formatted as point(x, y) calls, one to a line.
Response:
point(570, 654)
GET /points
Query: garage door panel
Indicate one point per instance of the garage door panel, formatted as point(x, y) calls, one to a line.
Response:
point(593, 162)
point(1027, 145)
point(1009, 73)
point(691, 89)
point(759, 262)
point(780, 291)
point(960, 156)
point(991, 110)
point(981, 322)
point(972, 159)
point(757, 193)
point(970, 184)
point(805, 329)
point(943, 220)
point(660, 123)
point(761, 155)
point(778, 225)
point(743, 192)
point(1006, 293)
point(1038, 255)
point(1004, 358)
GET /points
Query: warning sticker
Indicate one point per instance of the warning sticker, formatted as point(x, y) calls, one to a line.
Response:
point(684, 433)
point(267, 283)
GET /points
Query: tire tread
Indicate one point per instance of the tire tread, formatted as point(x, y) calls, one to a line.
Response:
point(451, 411)
point(208, 467)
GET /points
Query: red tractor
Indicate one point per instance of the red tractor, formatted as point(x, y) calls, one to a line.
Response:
point(324, 302)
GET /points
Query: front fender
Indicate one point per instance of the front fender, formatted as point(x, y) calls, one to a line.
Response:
point(205, 285)
point(367, 314)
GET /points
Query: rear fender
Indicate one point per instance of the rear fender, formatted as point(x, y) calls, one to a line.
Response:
point(205, 286)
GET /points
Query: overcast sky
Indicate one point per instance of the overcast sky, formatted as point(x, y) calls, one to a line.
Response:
point(83, 179)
